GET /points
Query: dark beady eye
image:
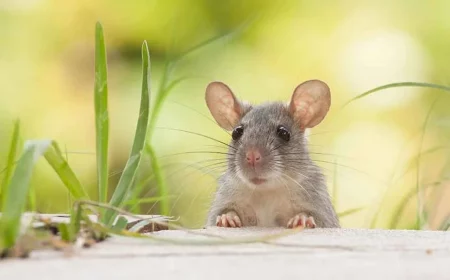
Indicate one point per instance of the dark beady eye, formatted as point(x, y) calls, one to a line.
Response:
point(237, 132)
point(283, 133)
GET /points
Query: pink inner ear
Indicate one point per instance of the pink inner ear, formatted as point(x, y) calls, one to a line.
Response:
point(310, 103)
point(223, 105)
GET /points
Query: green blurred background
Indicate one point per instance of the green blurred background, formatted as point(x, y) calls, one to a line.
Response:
point(367, 150)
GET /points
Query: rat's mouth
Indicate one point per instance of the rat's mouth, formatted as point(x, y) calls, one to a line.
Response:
point(258, 181)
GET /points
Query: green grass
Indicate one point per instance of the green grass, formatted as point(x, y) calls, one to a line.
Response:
point(101, 113)
point(16, 189)
point(16, 193)
point(124, 186)
point(421, 212)
point(55, 158)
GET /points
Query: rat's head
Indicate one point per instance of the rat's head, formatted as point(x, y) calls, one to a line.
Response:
point(268, 140)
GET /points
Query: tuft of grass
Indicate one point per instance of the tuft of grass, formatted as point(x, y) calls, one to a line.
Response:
point(420, 219)
point(101, 113)
point(16, 194)
point(126, 179)
point(394, 179)
point(397, 213)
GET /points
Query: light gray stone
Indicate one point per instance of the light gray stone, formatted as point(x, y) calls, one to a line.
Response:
point(309, 254)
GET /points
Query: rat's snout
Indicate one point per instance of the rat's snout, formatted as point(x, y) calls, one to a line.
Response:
point(253, 157)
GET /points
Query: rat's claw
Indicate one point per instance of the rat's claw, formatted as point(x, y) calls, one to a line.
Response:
point(301, 220)
point(230, 219)
point(237, 220)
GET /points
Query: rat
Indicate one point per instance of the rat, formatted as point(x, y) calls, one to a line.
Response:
point(270, 180)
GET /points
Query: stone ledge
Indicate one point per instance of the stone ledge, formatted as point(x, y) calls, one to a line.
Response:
point(313, 254)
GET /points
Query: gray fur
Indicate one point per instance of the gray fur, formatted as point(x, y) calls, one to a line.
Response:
point(295, 183)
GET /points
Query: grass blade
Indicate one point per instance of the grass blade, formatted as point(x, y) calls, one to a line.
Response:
point(120, 224)
point(101, 113)
point(420, 217)
point(75, 220)
point(10, 160)
point(140, 225)
point(55, 158)
point(17, 193)
point(32, 199)
point(401, 84)
point(66, 234)
point(163, 190)
point(221, 37)
point(145, 200)
point(129, 173)
point(397, 213)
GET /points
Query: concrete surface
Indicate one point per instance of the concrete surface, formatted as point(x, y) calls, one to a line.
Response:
point(310, 254)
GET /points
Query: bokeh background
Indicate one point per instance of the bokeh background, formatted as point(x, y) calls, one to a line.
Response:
point(368, 150)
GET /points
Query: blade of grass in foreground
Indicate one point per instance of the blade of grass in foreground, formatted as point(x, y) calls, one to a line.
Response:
point(17, 193)
point(50, 150)
point(55, 158)
point(10, 161)
point(101, 113)
point(129, 172)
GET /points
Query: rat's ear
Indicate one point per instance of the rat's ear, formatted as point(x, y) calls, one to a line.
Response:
point(310, 103)
point(223, 105)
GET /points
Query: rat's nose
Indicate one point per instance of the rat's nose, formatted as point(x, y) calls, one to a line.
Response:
point(253, 157)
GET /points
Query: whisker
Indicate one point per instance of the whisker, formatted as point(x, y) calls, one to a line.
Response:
point(297, 183)
point(197, 152)
point(323, 132)
point(203, 115)
point(324, 161)
point(315, 153)
point(198, 134)
point(284, 183)
point(276, 148)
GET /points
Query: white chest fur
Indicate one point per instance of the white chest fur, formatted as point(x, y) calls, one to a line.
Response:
point(270, 203)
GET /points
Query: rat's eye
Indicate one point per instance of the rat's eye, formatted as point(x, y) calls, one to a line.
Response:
point(283, 133)
point(237, 132)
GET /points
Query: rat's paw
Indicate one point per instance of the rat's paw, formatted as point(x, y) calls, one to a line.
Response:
point(230, 219)
point(301, 220)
